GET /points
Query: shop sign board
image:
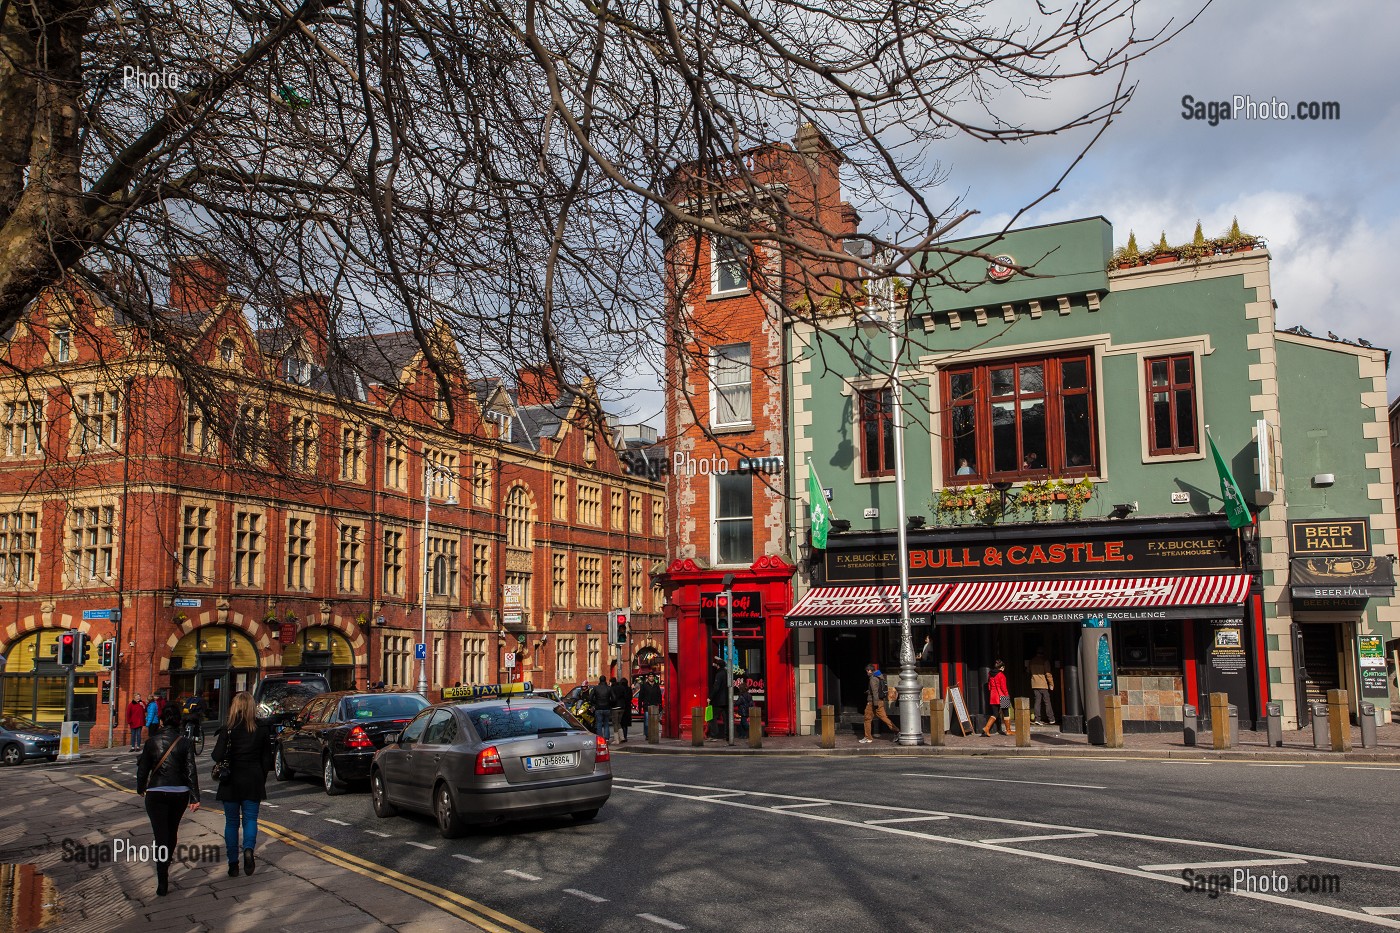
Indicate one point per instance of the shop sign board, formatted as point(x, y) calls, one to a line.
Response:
point(1371, 655)
point(1332, 537)
point(1067, 557)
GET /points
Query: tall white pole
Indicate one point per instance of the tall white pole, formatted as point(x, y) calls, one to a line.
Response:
point(910, 729)
point(423, 635)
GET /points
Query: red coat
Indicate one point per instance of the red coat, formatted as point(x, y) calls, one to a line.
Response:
point(996, 688)
point(135, 714)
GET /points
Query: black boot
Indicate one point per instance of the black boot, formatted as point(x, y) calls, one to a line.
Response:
point(249, 863)
point(233, 869)
point(162, 879)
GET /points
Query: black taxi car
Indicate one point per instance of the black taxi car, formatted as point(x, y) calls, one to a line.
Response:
point(491, 754)
point(336, 735)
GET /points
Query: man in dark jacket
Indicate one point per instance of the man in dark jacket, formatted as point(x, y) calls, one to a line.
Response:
point(166, 776)
point(622, 706)
point(719, 699)
point(649, 695)
point(601, 697)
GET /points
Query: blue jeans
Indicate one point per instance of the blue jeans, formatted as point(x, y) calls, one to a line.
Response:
point(136, 737)
point(249, 811)
point(602, 718)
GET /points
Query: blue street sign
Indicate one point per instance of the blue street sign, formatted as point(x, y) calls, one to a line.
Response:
point(1095, 623)
point(186, 602)
point(91, 614)
point(420, 652)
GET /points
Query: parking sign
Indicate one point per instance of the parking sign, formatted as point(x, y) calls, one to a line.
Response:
point(510, 660)
point(420, 652)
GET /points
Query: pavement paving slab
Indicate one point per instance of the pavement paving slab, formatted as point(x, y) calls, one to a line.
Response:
point(291, 890)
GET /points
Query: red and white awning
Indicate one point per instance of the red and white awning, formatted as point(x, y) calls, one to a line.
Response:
point(1116, 599)
point(841, 606)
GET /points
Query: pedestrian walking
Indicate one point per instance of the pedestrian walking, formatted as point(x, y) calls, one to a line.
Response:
point(167, 777)
point(244, 747)
point(602, 709)
point(153, 709)
point(136, 720)
point(743, 702)
point(998, 700)
point(1042, 682)
point(876, 692)
point(622, 703)
point(649, 695)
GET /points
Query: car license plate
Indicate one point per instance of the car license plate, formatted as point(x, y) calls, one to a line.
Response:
point(549, 762)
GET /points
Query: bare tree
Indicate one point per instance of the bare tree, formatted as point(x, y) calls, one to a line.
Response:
point(496, 167)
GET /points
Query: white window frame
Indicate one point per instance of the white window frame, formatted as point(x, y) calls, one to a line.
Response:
point(717, 388)
point(719, 263)
point(715, 521)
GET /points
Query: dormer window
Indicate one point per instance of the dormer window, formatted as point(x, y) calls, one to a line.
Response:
point(226, 349)
point(298, 371)
point(63, 345)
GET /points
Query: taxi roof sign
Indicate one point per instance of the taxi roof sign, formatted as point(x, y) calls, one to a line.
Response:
point(486, 691)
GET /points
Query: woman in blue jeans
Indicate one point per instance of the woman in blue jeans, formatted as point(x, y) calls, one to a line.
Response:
point(245, 746)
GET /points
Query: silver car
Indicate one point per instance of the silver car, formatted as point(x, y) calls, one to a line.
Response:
point(20, 739)
point(489, 761)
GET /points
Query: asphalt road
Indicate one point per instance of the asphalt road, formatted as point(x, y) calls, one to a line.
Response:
point(880, 844)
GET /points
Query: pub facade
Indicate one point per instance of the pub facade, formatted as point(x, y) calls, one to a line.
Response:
point(1059, 404)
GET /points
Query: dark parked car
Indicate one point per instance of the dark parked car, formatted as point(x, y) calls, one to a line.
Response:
point(336, 735)
point(21, 739)
point(492, 760)
point(279, 697)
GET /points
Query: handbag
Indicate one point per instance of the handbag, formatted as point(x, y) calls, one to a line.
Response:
point(220, 770)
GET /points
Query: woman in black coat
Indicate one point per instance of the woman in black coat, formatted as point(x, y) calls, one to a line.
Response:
point(167, 778)
point(246, 747)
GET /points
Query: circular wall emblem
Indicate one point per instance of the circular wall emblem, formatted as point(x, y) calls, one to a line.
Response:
point(1000, 268)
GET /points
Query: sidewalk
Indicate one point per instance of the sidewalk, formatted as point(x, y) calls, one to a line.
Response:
point(1049, 741)
point(291, 890)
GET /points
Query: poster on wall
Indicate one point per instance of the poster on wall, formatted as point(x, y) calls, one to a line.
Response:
point(1227, 650)
point(1371, 667)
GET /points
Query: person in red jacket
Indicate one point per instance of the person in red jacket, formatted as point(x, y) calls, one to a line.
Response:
point(998, 699)
point(135, 720)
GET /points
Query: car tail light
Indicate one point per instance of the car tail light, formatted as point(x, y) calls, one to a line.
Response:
point(604, 753)
point(358, 738)
point(488, 761)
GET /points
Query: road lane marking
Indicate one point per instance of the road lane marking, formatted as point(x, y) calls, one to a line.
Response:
point(586, 896)
point(336, 822)
point(1368, 768)
point(303, 812)
point(798, 806)
point(1382, 911)
point(1238, 863)
point(901, 819)
point(1045, 838)
point(961, 777)
point(375, 832)
point(486, 918)
point(419, 845)
point(662, 921)
point(275, 806)
point(467, 858)
point(718, 796)
point(520, 874)
point(1256, 764)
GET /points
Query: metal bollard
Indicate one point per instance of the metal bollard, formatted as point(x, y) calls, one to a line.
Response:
point(828, 727)
point(938, 733)
point(1368, 725)
point(653, 725)
point(1274, 721)
point(1190, 725)
point(697, 726)
point(1319, 723)
point(1234, 725)
point(755, 727)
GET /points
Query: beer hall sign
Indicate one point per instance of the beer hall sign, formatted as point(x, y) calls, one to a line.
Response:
point(1020, 558)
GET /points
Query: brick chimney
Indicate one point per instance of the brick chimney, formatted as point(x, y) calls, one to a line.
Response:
point(311, 313)
point(197, 283)
point(536, 385)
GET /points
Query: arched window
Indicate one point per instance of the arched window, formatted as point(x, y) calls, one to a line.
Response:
point(442, 583)
point(226, 349)
point(518, 518)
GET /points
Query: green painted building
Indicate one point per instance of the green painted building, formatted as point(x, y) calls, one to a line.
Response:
point(1056, 404)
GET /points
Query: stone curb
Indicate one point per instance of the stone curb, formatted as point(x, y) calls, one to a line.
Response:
point(884, 750)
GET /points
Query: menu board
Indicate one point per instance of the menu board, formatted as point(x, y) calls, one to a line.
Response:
point(1371, 655)
point(959, 710)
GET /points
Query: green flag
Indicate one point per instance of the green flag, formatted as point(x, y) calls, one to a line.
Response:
point(1235, 509)
point(817, 504)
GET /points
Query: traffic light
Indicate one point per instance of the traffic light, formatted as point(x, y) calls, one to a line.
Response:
point(722, 611)
point(106, 652)
point(617, 627)
point(84, 648)
point(67, 648)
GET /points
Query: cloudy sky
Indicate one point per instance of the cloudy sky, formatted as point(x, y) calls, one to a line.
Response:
point(1324, 194)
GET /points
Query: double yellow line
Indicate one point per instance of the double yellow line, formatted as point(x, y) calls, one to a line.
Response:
point(463, 908)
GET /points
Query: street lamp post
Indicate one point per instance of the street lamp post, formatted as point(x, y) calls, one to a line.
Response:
point(429, 470)
point(908, 690)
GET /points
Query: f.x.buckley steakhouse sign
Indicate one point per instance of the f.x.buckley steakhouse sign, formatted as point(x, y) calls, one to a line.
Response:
point(1068, 557)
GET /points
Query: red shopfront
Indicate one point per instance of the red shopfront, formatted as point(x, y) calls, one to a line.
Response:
point(762, 640)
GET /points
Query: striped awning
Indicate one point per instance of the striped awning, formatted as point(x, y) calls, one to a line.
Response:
point(1115, 599)
point(840, 606)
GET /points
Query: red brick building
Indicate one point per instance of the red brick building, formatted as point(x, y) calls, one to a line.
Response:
point(273, 518)
point(725, 406)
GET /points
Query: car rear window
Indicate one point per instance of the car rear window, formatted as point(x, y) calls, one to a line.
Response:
point(285, 697)
point(504, 722)
point(384, 706)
